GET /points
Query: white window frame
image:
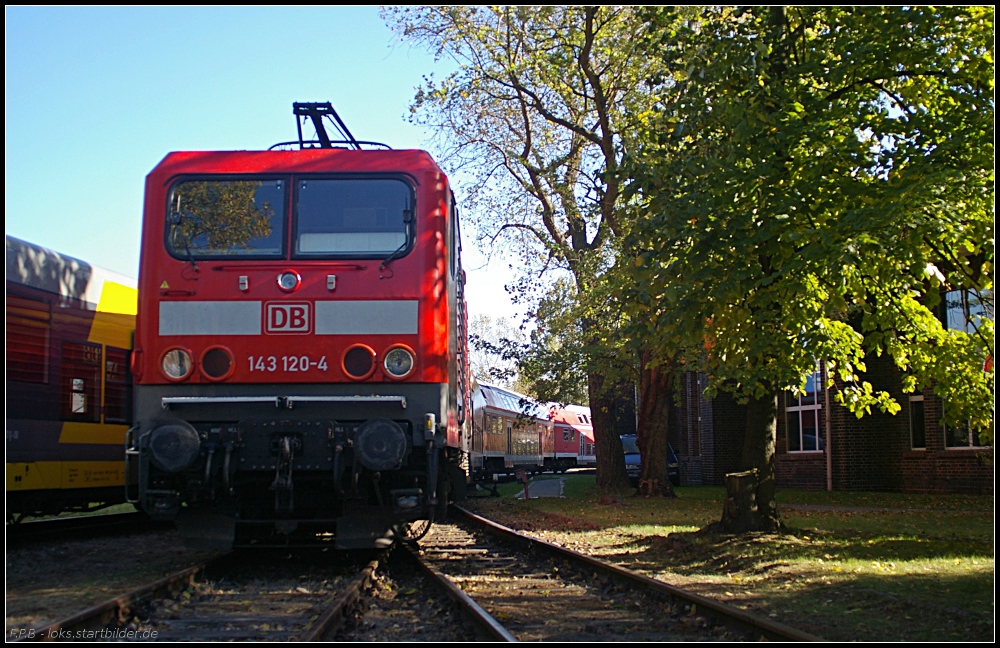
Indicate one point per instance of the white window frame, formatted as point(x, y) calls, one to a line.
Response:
point(961, 447)
point(917, 399)
point(815, 408)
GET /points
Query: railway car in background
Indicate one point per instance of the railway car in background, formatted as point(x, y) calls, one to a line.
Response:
point(69, 390)
point(300, 354)
point(574, 438)
point(509, 432)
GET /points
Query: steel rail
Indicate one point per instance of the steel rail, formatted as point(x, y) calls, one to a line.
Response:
point(720, 612)
point(486, 624)
point(98, 616)
point(330, 620)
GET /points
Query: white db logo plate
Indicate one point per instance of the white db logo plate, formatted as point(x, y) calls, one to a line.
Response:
point(288, 317)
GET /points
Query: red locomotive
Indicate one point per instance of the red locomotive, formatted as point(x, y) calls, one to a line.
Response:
point(300, 353)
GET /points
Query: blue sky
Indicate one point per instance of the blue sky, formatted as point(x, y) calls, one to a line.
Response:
point(96, 96)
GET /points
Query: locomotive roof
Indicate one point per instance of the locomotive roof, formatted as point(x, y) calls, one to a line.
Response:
point(335, 160)
point(37, 267)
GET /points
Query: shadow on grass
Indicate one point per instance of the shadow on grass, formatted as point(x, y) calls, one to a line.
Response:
point(923, 575)
point(703, 553)
point(837, 585)
point(870, 608)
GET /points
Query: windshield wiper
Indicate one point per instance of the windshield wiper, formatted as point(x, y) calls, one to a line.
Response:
point(175, 222)
point(407, 220)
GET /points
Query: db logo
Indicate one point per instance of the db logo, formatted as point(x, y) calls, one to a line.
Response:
point(288, 317)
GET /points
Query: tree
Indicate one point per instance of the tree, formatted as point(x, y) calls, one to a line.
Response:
point(553, 363)
point(496, 347)
point(810, 180)
point(538, 114)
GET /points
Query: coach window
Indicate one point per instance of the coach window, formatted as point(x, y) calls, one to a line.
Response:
point(226, 218)
point(28, 323)
point(359, 218)
point(80, 384)
point(117, 386)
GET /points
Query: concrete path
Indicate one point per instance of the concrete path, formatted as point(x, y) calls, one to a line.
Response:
point(544, 487)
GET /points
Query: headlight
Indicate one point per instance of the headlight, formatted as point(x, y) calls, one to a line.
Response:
point(176, 364)
point(217, 363)
point(358, 362)
point(289, 281)
point(398, 362)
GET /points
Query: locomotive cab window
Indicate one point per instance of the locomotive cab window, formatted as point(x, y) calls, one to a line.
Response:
point(361, 218)
point(226, 218)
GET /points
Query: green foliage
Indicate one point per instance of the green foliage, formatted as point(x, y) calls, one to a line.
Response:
point(554, 363)
point(810, 181)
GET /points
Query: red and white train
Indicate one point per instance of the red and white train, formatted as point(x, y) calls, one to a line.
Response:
point(510, 431)
point(574, 437)
point(300, 352)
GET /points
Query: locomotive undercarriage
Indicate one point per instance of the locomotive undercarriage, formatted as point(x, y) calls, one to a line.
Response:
point(296, 478)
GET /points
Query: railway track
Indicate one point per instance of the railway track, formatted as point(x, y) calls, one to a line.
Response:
point(519, 588)
point(235, 598)
point(509, 586)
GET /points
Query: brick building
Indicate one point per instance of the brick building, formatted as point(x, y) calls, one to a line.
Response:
point(821, 445)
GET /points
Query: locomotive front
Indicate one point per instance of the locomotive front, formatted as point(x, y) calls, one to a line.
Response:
point(299, 346)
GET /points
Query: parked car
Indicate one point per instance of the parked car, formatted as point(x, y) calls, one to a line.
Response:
point(633, 461)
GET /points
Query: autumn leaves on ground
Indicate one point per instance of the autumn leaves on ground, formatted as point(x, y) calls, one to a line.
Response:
point(851, 566)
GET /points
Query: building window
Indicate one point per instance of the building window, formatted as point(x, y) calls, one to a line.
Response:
point(804, 416)
point(918, 438)
point(962, 310)
point(961, 436)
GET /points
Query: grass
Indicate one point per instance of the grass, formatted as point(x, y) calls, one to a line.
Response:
point(869, 566)
point(109, 510)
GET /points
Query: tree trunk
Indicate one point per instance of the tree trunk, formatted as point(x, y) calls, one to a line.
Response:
point(655, 400)
point(611, 475)
point(750, 504)
point(740, 511)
